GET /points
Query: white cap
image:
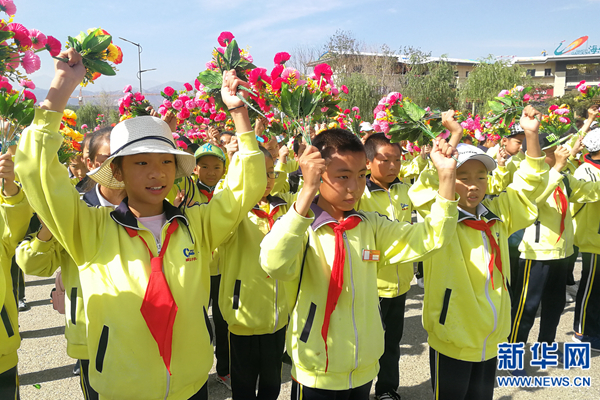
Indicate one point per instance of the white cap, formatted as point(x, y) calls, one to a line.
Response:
point(468, 152)
point(366, 126)
point(591, 141)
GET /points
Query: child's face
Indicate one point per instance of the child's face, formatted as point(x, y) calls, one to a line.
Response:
point(209, 170)
point(471, 184)
point(550, 156)
point(513, 145)
point(272, 147)
point(344, 180)
point(78, 168)
point(386, 165)
point(270, 181)
point(148, 178)
point(101, 156)
point(225, 139)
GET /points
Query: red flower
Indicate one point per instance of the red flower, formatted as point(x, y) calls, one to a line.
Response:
point(276, 73)
point(4, 85)
point(169, 91)
point(29, 95)
point(225, 38)
point(76, 145)
point(257, 76)
point(21, 35)
point(344, 89)
point(276, 85)
point(119, 58)
point(53, 46)
point(281, 58)
point(346, 111)
point(188, 87)
point(197, 84)
point(323, 70)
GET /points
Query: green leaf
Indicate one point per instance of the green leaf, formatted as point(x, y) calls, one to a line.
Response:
point(5, 35)
point(232, 54)
point(99, 66)
point(89, 37)
point(211, 79)
point(27, 117)
point(414, 111)
point(505, 100)
point(296, 102)
point(3, 105)
point(286, 97)
point(98, 44)
point(496, 107)
point(71, 41)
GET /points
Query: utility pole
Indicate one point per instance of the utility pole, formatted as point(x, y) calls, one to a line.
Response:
point(140, 70)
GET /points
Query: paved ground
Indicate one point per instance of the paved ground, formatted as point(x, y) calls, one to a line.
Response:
point(46, 370)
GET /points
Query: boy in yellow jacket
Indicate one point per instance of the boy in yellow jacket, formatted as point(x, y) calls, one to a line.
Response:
point(330, 254)
point(15, 215)
point(546, 247)
point(253, 303)
point(466, 310)
point(144, 267)
point(386, 194)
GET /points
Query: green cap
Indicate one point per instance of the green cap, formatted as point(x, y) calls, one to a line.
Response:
point(208, 149)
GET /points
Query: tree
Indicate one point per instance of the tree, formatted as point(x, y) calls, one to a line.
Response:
point(487, 80)
point(363, 93)
point(87, 114)
point(301, 57)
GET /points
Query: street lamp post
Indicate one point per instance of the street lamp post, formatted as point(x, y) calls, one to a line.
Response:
point(140, 70)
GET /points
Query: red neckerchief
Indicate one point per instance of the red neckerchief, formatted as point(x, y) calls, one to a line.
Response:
point(263, 214)
point(562, 202)
point(589, 160)
point(159, 308)
point(336, 282)
point(481, 225)
point(208, 194)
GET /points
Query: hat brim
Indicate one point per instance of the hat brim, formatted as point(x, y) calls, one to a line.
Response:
point(489, 162)
point(103, 175)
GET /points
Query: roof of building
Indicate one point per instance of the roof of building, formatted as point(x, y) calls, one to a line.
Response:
point(402, 58)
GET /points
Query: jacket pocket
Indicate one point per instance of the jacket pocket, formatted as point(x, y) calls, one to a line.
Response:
point(445, 306)
point(6, 321)
point(208, 325)
point(309, 322)
point(102, 345)
point(538, 229)
point(236, 294)
point(74, 306)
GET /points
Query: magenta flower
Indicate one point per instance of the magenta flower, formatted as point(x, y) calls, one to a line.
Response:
point(281, 58)
point(582, 89)
point(355, 109)
point(178, 104)
point(38, 39)
point(526, 98)
point(27, 84)
point(4, 85)
point(184, 113)
point(169, 91)
point(29, 95)
point(258, 76)
point(8, 7)
point(127, 88)
point(190, 104)
point(199, 119)
point(553, 107)
point(181, 143)
point(139, 97)
point(385, 126)
point(344, 89)
point(323, 70)
point(21, 36)
point(167, 104)
point(53, 46)
point(393, 97)
point(197, 84)
point(503, 93)
point(188, 87)
point(162, 110)
point(277, 70)
point(225, 38)
point(30, 62)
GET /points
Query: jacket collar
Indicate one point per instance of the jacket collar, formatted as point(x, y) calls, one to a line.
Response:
point(91, 198)
point(323, 218)
point(202, 186)
point(373, 187)
point(122, 215)
point(482, 211)
point(588, 157)
point(274, 201)
point(297, 172)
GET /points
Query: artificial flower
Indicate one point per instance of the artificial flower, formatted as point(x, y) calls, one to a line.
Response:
point(27, 84)
point(38, 39)
point(53, 46)
point(281, 58)
point(225, 38)
point(169, 91)
point(188, 87)
point(8, 7)
point(30, 62)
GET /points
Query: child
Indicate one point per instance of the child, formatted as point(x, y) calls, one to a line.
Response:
point(147, 337)
point(15, 215)
point(586, 223)
point(329, 253)
point(210, 168)
point(546, 246)
point(466, 310)
point(253, 303)
point(290, 168)
point(386, 194)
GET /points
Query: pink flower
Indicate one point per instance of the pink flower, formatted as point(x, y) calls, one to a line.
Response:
point(355, 109)
point(181, 143)
point(503, 93)
point(221, 50)
point(257, 76)
point(479, 136)
point(347, 111)
point(184, 113)
point(561, 111)
point(30, 62)
point(127, 88)
point(197, 84)
point(334, 92)
point(380, 115)
point(167, 104)
point(27, 84)
point(37, 38)
point(324, 109)
point(21, 36)
point(444, 135)
point(385, 126)
point(169, 91)
point(29, 95)
point(225, 38)
point(281, 58)
point(344, 89)
point(393, 97)
point(564, 120)
point(220, 117)
point(526, 98)
point(249, 58)
point(276, 73)
point(199, 119)
point(190, 104)
point(207, 121)
point(139, 97)
point(178, 104)
point(4, 85)
point(376, 127)
point(582, 89)
point(84, 126)
point(323, 70)
point(53, 46)
point(188, 87)
point(520, 88)
point(553, 107)
point(8, 7)
point(357, 117)
point(210, 65)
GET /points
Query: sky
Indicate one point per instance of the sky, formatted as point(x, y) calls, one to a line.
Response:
point(178, 36)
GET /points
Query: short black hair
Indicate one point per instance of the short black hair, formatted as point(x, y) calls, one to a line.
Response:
point(337, 140)
point(297, 143)
point(227, 133)
point(374, 142)
point(265, 152)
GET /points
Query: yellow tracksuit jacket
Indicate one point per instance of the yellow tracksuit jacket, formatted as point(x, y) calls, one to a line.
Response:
point(252, 302)
point(586, 220)
point(355, 336)
point(114, 268)
point(15, 215)
point(540, 241)
point(464, 316)
point(392, 280)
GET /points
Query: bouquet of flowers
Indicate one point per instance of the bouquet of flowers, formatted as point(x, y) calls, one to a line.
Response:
point(16, 110)
point(401, 119)
point(71, 145)
point(558, 122)
point(19, 46)
point(472, 126)
point(508, 105)
point(350, 119)
point(588, 91)
point(97, 49)
point(132, 104)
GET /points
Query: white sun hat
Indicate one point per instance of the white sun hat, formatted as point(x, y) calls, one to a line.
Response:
point(137, 136)
point(591, 141)
point(468, 152)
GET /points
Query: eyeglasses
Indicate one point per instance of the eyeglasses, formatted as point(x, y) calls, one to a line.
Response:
point(272, 175)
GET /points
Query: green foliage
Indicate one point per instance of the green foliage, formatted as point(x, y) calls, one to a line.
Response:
point(578, 105)
point(87, 114)
point(431, 84)
point(487, 80)
point(363, 92)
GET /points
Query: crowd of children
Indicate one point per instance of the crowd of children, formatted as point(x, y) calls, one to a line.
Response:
point(306, 256)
